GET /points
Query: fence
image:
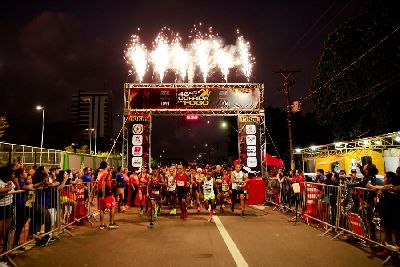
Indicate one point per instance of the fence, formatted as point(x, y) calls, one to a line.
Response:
point(42, 215)
point(30, 156)
point(348, 211)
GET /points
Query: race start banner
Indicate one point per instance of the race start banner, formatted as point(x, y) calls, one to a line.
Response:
point(249, 143)
point(194, 98)
point(139, 139)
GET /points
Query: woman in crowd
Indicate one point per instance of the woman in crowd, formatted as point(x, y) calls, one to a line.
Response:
point(143, 182)
point(389, 203)
point(6, 200)
point(153, 193)
point(133, 187)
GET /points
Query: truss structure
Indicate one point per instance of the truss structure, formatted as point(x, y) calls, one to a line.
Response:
point(377, 143)
point(203, 112)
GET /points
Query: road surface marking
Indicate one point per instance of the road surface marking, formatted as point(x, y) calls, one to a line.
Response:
point(237, 256)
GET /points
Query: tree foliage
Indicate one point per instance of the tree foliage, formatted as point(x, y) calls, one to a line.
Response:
point(361, 99)
point(3, 126)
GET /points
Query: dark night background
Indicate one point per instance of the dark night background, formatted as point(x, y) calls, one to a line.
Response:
point(51, 49)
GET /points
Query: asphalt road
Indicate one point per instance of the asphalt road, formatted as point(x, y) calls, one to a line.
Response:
point(262, 238)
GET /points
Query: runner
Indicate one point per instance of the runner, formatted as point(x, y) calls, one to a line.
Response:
point(209, 195)
point(106, 199)
point(181, 189)
point(121, 185)
point(225, 185)
point(143, 182)
point(153, 192)
point(218, 175)
point(195, 188)
point(238, 179)
point(171, 189)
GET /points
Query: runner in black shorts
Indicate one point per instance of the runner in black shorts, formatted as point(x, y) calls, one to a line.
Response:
point(181, 189)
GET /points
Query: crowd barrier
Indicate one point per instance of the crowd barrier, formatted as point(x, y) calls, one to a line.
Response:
point(41, 215)
point(347, 211)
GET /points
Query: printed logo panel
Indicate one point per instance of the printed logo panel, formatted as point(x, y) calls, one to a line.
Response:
point(137, 129)
point(137, 151)
point(251, 129)
point(251, 162)
point(137, 140)
point(251, 151)
point(137, 162)
point(251, 140)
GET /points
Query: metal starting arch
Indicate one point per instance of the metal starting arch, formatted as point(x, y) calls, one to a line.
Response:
point(130, 110)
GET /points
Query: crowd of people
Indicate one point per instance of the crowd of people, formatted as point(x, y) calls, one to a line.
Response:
point(359, 195)
point(171, 186)
point(36, 200)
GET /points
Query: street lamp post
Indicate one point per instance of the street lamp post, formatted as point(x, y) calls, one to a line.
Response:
point(41, 141)
point(91, 130)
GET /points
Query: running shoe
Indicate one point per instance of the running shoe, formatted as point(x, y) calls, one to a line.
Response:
point(211, 220)
point(102, 227)
point(185, 214)
point(198, 209)
point(151, 223)
point(243, 213)
point(173, 212)
point(221, 209)
point(141, 212)
point(159, 210)
point(223, 205)
point(113, 226)
point(182, 217)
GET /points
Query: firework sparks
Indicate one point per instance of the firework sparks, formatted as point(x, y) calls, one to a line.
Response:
point(205, 53)
point(136, 55)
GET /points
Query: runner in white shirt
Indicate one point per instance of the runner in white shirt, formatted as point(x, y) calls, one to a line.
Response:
point(209, 195)
point(171, 189)
point(238, 180)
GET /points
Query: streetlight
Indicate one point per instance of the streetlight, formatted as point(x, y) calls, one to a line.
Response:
point(91, 130)
point(41, 141)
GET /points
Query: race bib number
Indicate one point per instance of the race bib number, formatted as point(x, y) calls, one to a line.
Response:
point(156, 192)
point(180, 183)
point(234, 186)
point(219, 181)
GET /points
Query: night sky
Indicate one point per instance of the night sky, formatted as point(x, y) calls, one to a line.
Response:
point(51, 49)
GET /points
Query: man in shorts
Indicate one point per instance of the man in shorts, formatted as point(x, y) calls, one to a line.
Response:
point(106, 199)
point(238, 180)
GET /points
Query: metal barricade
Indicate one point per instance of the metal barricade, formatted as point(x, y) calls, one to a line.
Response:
point(41, 215)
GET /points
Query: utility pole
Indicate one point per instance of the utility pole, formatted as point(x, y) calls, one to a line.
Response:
point(286, 89)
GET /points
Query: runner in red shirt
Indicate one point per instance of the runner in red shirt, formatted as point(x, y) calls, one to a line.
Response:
point(106, 199)
point(143, 182)
point(181, 189)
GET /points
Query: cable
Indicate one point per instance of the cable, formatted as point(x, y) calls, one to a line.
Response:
point(351, 64)
point(327, 24)
point(294, 47)
point(370, 90)
point(116, 139)
point(272, 141)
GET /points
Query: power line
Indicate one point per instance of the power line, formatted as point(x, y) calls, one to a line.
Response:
point(294, 47)
point(371, 91)
point(351, 64)
point(327, 24)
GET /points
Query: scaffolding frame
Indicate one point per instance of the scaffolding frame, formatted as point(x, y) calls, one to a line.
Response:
point(203, 112)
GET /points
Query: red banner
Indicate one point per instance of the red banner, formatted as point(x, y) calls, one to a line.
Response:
point(194, 98)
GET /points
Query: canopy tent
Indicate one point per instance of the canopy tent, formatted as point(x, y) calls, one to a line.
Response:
point(271, 160)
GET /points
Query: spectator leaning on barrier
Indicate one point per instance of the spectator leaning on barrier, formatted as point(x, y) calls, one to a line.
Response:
point(388, 204)
point(369, 171)
point(6, 200)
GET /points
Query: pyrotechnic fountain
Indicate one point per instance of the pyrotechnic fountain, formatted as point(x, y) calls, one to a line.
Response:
point(206, 53)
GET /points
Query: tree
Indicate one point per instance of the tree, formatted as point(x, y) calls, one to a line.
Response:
point(356, 94)
point(3, 125)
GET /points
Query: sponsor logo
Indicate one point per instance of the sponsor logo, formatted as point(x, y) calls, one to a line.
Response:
point(251, 151)
point(251, 129)
point(139, 118)
point(137, 140)
point(137, 129)
point(249, 118)
point(251, 162)
point(194, 98)
point(137, 151)
point(165, 92)
point(137, 162)
point(251, 140)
